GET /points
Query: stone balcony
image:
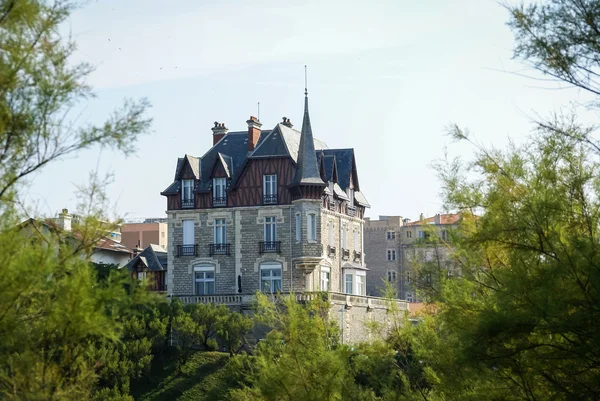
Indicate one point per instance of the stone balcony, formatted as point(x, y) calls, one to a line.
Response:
point(352, 312)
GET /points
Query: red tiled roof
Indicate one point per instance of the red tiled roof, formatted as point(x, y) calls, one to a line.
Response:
point(444, 219)
point(108, 244)
point(420, 308)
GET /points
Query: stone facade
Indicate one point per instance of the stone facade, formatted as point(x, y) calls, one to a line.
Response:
point(424, 240)
point(245, 227)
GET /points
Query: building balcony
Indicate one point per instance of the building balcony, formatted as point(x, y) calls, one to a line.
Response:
point(345, 254)
point(219, 249)
point(187, 250)
point(357, 256)
point(219, 201)
point(269, 247)
point(330, 250)
point(270, 199)
point(352, 211)
point(187, 203)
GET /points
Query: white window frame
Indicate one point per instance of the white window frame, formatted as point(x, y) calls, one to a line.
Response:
point(219, 185)
point(311, 226)
point(272, 278)
point(141, 276)
point(205, 270)
point(348, 284)
point(298, 227)
point(188, 234)
point(325, 278)
point(391, 235)
point(187, 186)
point(270, 228)
point(408, 234)
point(391, 255)
point(361, 283)
point(270, 184)
point(220, 231)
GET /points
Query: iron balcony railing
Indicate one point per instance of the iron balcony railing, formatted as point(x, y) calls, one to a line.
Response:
point(351, 211)
point(219, 249)
point(220, 201)
point(187, 250)
point(270, 199)
point(357, 256)
point(331, 203)
point(345, 254)
point(269, 247)
point(187, 203)
point(330, 250)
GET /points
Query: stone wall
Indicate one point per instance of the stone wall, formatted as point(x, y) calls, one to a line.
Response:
point(245, 229)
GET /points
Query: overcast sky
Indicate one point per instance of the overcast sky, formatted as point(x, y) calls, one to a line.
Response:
point(385, 78)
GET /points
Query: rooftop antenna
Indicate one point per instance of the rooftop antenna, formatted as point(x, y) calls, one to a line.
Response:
point(258, 111)
point(305, 82)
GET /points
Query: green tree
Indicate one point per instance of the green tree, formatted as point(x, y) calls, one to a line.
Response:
point(53, 311)
point(526, 307)
point(233, 329)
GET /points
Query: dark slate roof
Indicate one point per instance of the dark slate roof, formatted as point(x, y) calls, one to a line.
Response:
point(282, 141)
point(328, 165)
point(154, 258)
point(345, 165)
point(307, 168)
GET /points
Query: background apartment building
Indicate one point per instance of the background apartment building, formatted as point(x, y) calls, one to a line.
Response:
point(396, 249)
point(143, 234)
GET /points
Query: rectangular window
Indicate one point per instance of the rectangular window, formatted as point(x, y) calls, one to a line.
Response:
point(391, 255)
point(298, 227)
point(141, 276)
point(444, 235)
point(325, 276)
point(331, 234)
point(348, 283)
point(391, 235)
point(220, 231)
point(219, 196)
point(188, 232)
point(409, 297)
point(408, 277)
point(312, 227)
point(344, 236)
point(350, 197)
point(270, 189)
point(360, 285)
point(391, 276)
point(409, 234)
point(271, 229)
point(204, 282)
point(187, 188)
point(270, 278)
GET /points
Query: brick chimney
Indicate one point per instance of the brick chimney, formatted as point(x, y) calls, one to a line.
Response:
point(219, 131)
point(253, 132)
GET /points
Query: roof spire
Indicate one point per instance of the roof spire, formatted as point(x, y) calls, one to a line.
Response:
point(305, 82)
point(307, 169)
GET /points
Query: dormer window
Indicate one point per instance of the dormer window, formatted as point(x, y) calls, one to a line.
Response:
point(350, 193)
point(187, 193)
point(270, 189)
point(219, 194)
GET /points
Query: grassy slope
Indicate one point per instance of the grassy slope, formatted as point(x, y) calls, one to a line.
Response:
point(204, 378)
